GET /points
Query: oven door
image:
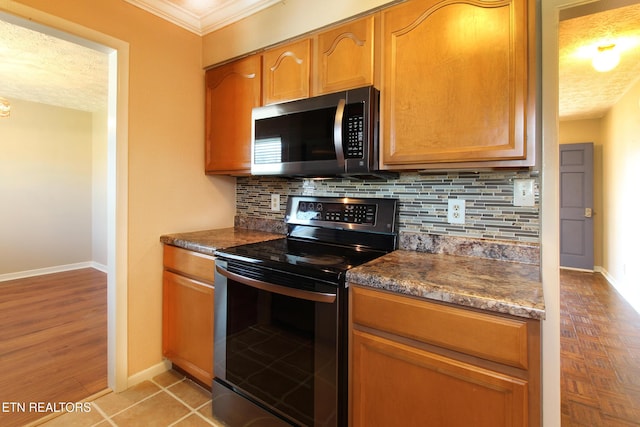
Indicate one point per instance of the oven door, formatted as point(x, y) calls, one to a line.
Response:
point(278, 342)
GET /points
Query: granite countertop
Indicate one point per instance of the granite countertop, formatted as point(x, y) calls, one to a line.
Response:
point(208, 241)
point(490, 285)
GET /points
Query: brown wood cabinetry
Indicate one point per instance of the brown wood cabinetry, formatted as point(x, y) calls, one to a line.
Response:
point(345, 56)
point(417, 363)
point(187, 316)
point(457, 83)
point(232, 90)
point(286, 72)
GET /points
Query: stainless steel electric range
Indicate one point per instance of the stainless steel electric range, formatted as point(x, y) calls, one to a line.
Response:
point(281, 337)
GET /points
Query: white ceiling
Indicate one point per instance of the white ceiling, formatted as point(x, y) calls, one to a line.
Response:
point(584, 92)
point(42, 68)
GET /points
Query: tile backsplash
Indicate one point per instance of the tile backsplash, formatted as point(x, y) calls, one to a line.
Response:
point(423, 197)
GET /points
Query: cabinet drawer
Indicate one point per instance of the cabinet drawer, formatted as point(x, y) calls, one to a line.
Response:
point(193, 264)
point(491, 337)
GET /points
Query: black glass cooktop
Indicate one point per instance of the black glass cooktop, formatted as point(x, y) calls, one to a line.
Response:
point(301, 257)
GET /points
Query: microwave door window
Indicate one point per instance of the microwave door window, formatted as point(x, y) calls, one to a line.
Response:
point(269, 140)
point(316, 135)
point(297, 137)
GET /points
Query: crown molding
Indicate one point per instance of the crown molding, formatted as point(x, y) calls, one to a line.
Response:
point(203, 23)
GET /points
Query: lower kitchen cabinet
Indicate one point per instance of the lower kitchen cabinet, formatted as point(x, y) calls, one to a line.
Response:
point(187, 316)
point(418, 363)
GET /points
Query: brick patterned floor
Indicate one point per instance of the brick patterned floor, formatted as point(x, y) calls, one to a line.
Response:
point(600, 353)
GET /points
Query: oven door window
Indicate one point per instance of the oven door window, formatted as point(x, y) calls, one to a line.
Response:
point(281, 351)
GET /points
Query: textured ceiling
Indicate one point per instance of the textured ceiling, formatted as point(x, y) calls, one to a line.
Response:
point(40, 68)
point(585, 92)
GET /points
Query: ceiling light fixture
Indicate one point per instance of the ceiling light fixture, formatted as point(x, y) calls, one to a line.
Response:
point(5, 107)
point(606, 58)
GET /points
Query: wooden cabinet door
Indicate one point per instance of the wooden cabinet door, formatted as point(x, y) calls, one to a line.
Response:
point(232, 90)
point(345, 56)
point(286, 72)
point(394, 384)
point(455, 82)
point(187, 325)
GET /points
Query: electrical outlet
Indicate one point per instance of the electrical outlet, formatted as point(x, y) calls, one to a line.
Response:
point(455, 214)
point(275, 202)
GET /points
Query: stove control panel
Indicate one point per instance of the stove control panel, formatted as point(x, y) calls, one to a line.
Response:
point(337, 212)
point(374, 215)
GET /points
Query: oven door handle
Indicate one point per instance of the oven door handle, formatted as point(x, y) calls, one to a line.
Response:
point(278, 289)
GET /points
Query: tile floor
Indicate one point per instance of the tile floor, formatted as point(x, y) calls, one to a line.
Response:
point(169, 399)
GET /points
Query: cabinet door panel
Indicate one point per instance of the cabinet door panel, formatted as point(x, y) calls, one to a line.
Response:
point(397, 385)
point(188, 325)
point(345, 56)
point(286, 72)
point(232, 90)
point(455, 82)
point(190, 263)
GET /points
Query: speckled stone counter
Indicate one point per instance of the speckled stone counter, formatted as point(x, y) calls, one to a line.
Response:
point(208, 241)
point(497, 286)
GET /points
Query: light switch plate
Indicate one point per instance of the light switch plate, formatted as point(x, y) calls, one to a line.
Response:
point(523, 192)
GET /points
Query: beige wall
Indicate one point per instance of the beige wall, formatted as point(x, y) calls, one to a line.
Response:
point(280, 22)
point(99, 236)
point(168, 191)
point(46, 186)
point(577, 131)
point(621, 176)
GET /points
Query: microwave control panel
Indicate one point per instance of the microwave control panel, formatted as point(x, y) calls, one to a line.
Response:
point(354, 131)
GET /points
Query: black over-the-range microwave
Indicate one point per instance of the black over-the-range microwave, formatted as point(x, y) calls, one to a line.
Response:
point(324, 136)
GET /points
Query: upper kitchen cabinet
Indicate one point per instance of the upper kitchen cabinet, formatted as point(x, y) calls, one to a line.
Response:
point(286, 72)
point(345, 56)
point(458, 85)
point(232, 90)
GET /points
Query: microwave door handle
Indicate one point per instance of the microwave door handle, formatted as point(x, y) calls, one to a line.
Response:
point(278, 289)
point(337, 134)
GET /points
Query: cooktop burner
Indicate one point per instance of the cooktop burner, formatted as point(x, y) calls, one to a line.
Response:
point(303, 257)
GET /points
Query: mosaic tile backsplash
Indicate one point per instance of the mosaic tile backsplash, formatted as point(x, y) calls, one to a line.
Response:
point(488, 196)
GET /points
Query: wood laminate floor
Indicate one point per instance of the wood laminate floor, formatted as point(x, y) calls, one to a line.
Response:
point(53, 342)
point(600, 353)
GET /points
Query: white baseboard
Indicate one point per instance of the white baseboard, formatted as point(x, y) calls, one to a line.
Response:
point(630, 295)
point(54, 269)
point(149, 373)
point(577, 269)
point(99, 267)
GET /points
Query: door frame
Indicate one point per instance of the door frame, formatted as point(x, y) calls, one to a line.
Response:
point(117, 172)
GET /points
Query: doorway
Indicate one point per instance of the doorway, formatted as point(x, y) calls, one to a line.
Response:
point(603, 107)
point(115, 166)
